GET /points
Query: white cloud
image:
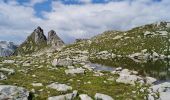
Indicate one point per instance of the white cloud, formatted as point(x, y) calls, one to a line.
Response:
point(33, 2)
point(80, 21)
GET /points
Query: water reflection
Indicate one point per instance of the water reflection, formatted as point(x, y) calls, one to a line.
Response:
point(159, 69)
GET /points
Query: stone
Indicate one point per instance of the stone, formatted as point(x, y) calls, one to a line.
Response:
point(2, 76)
point(75, 71)
point(88, 67)
point(163, 89)
point(8, 61)
point(69, 96)
point(127, 79)
point(37, 84)
point(9, 71)
point(62, 97)
point(8, 92)
point(62, 62)
point(99, 96)
point(150, 80)
point(85, 97)
point(60, 87)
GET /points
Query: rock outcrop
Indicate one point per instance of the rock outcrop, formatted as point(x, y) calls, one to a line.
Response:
point(37, 41)
point(8, 92)
point(54, 40)
point(39, 36)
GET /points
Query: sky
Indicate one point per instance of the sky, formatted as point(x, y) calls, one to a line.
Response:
point(73, 19)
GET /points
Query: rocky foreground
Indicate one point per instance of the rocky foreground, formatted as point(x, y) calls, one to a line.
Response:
point(54, 77)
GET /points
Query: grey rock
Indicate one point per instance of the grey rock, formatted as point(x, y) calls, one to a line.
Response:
point(60, 87)
point(100, 96)
point(54, 40)
point(62, 62)
point(39, 35)
point(2, 76)
point(69, 96)
point(75, 71)
point(85, 97)
point(8, 92)
point(6, 70)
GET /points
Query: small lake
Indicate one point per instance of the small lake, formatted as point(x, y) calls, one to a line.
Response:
point(159, 68)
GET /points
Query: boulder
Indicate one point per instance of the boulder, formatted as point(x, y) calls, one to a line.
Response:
point(6, 70)
point(62, 62)
point(8, 61)
point(75, 71)
point(163, 89)
point(62, 97)
point(37, 84)
point(100, 96)
point(150, 80)
point(69, 96)
point(2, 76)
point(60, 87)
point(128, 79)
point(85, 97)
point(8, 92)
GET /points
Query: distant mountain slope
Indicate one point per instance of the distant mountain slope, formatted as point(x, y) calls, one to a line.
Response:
point(7, 48)
point(38, 41)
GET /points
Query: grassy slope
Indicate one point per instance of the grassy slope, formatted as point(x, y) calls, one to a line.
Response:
point(46, 76)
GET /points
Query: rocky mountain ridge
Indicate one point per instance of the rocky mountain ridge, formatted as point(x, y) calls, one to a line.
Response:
point(37, 41)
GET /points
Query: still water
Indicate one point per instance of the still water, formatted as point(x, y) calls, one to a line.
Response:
point(159, 68)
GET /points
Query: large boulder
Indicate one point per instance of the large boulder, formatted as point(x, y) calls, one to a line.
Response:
point(8, 92)
point(85, 97)
point(75, 71)
point(163, 89)
point(8, 71)
point(60, 87)
point(62, 62)
point(100, 96)
point(62, 97)
point(69, 96)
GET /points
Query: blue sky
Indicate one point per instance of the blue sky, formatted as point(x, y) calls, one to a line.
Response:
point(73, 19)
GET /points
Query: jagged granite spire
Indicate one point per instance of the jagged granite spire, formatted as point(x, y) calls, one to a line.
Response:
point(39, 36)
point(36, 41)
point(54, 40)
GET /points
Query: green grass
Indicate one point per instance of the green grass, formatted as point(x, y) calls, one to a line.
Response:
point(46, 76)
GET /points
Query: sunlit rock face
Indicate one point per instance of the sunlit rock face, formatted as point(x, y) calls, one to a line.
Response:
point(7, 48)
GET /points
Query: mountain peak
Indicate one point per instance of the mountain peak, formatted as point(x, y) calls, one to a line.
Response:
point(38, 30)
point(38, 41)
point(54, 40)
point(39, 36)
